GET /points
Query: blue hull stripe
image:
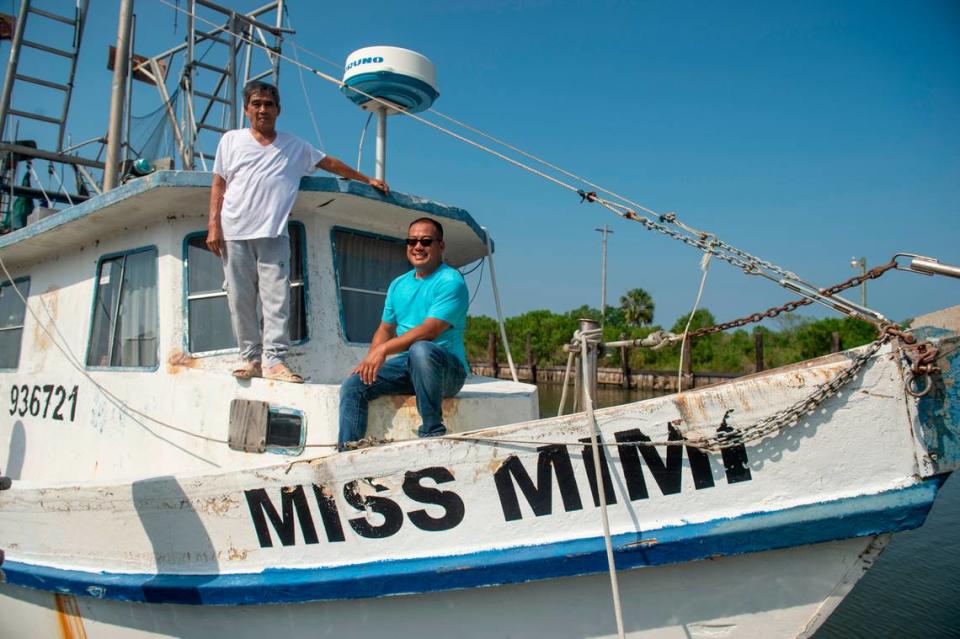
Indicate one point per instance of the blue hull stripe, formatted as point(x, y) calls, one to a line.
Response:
point(889, 511)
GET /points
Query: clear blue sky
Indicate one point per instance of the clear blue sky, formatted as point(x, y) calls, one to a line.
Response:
point(802, 132)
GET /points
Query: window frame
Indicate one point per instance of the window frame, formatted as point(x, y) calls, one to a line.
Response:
point(11, 284)
point(288, 450)
point(93, 310)
point(186, 297)
point(336, 274)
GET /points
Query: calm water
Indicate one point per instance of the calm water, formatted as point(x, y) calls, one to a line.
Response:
point(913, 591)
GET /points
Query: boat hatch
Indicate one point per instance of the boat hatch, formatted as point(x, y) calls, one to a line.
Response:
point(258, 427)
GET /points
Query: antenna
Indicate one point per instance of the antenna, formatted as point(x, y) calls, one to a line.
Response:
point(403, 79)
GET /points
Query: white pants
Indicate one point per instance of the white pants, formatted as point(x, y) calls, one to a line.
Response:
point(258, 270)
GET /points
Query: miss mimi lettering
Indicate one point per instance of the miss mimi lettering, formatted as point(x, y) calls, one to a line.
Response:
point(515, 480)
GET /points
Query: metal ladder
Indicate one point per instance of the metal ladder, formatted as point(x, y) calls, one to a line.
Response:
point(209, 91)
point(7, 111)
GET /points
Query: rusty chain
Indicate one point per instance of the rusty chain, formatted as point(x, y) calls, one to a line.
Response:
point(922, 358)
point(794, 413)
point(793, 305)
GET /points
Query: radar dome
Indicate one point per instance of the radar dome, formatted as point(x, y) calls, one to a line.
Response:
point(400, 76)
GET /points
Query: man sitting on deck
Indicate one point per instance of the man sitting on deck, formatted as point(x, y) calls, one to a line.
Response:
point(423, 320)
point(256, 176)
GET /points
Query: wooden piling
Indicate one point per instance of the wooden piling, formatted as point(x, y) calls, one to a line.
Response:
point(531, 361)
point(624, 364)
point(492, 354)
point(758, 351)
point(835, 345)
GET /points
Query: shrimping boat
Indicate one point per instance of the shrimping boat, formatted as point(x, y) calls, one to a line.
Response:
point(153, 494)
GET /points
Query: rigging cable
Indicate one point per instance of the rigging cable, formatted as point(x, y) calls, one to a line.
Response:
point(589, 371)
point(750, 264)
point(303, 84)
point(496, 299)
point(622, 210)
point(753, 432)
point(476, 289)
point(363, 134)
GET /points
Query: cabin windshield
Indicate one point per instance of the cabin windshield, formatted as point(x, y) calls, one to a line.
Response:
point(365, 265)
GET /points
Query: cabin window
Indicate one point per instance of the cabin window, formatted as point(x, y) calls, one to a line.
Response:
point(365, 265)
point(125, 328)
point(208, 316)
point(12, 311)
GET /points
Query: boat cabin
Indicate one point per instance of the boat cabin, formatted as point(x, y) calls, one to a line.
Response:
point(128, 344)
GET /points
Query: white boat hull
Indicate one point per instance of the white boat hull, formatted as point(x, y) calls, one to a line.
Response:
point(780, 593)
point(758, 542)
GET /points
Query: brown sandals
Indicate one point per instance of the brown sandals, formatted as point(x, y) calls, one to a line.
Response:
point(279, 373)
point(282, 373)
point(248, 370)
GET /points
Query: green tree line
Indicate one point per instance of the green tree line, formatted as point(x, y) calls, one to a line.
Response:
point(796, 337)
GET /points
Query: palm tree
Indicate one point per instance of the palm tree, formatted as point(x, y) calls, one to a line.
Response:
point(637, 307)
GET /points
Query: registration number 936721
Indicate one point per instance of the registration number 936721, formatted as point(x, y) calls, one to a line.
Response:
point(48, 401)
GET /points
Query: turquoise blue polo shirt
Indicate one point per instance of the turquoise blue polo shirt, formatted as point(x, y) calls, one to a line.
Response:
point(441, 295)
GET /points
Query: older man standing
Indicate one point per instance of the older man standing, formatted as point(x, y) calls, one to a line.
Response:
point(423, 320)
point(257, 174)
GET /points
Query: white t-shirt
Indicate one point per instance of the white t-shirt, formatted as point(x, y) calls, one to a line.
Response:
point(262, 182)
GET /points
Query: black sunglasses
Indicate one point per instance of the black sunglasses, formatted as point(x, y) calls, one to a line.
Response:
point(424, 241)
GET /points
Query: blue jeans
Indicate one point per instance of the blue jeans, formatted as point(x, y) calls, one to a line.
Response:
point(427, 371)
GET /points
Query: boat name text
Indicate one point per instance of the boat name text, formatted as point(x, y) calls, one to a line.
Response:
point(380, 515)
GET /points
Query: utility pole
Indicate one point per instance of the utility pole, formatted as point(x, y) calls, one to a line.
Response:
point(862, 264)
point(603, 273)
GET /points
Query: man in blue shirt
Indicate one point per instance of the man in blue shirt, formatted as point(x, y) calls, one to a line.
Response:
point(423, 321)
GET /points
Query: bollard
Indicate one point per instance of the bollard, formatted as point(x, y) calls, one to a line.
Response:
point(589, 359)
point(624, 364)
point(686, 368)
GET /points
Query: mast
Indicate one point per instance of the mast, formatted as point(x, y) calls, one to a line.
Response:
point(118, 96)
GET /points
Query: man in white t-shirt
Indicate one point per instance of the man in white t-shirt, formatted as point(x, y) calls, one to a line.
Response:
point(256, 176)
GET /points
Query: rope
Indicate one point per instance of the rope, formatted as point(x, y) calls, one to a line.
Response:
point(711, 248)
point(62, 189)
point(39, 185)
point(476, 289)
point(588, 370)
point(566, 384)
point(750, 264)
point(705, 267)
point(363, 135)
point(786, 417)
point(74, 362)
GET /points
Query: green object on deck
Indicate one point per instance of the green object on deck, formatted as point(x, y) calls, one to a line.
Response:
point(22, 207)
